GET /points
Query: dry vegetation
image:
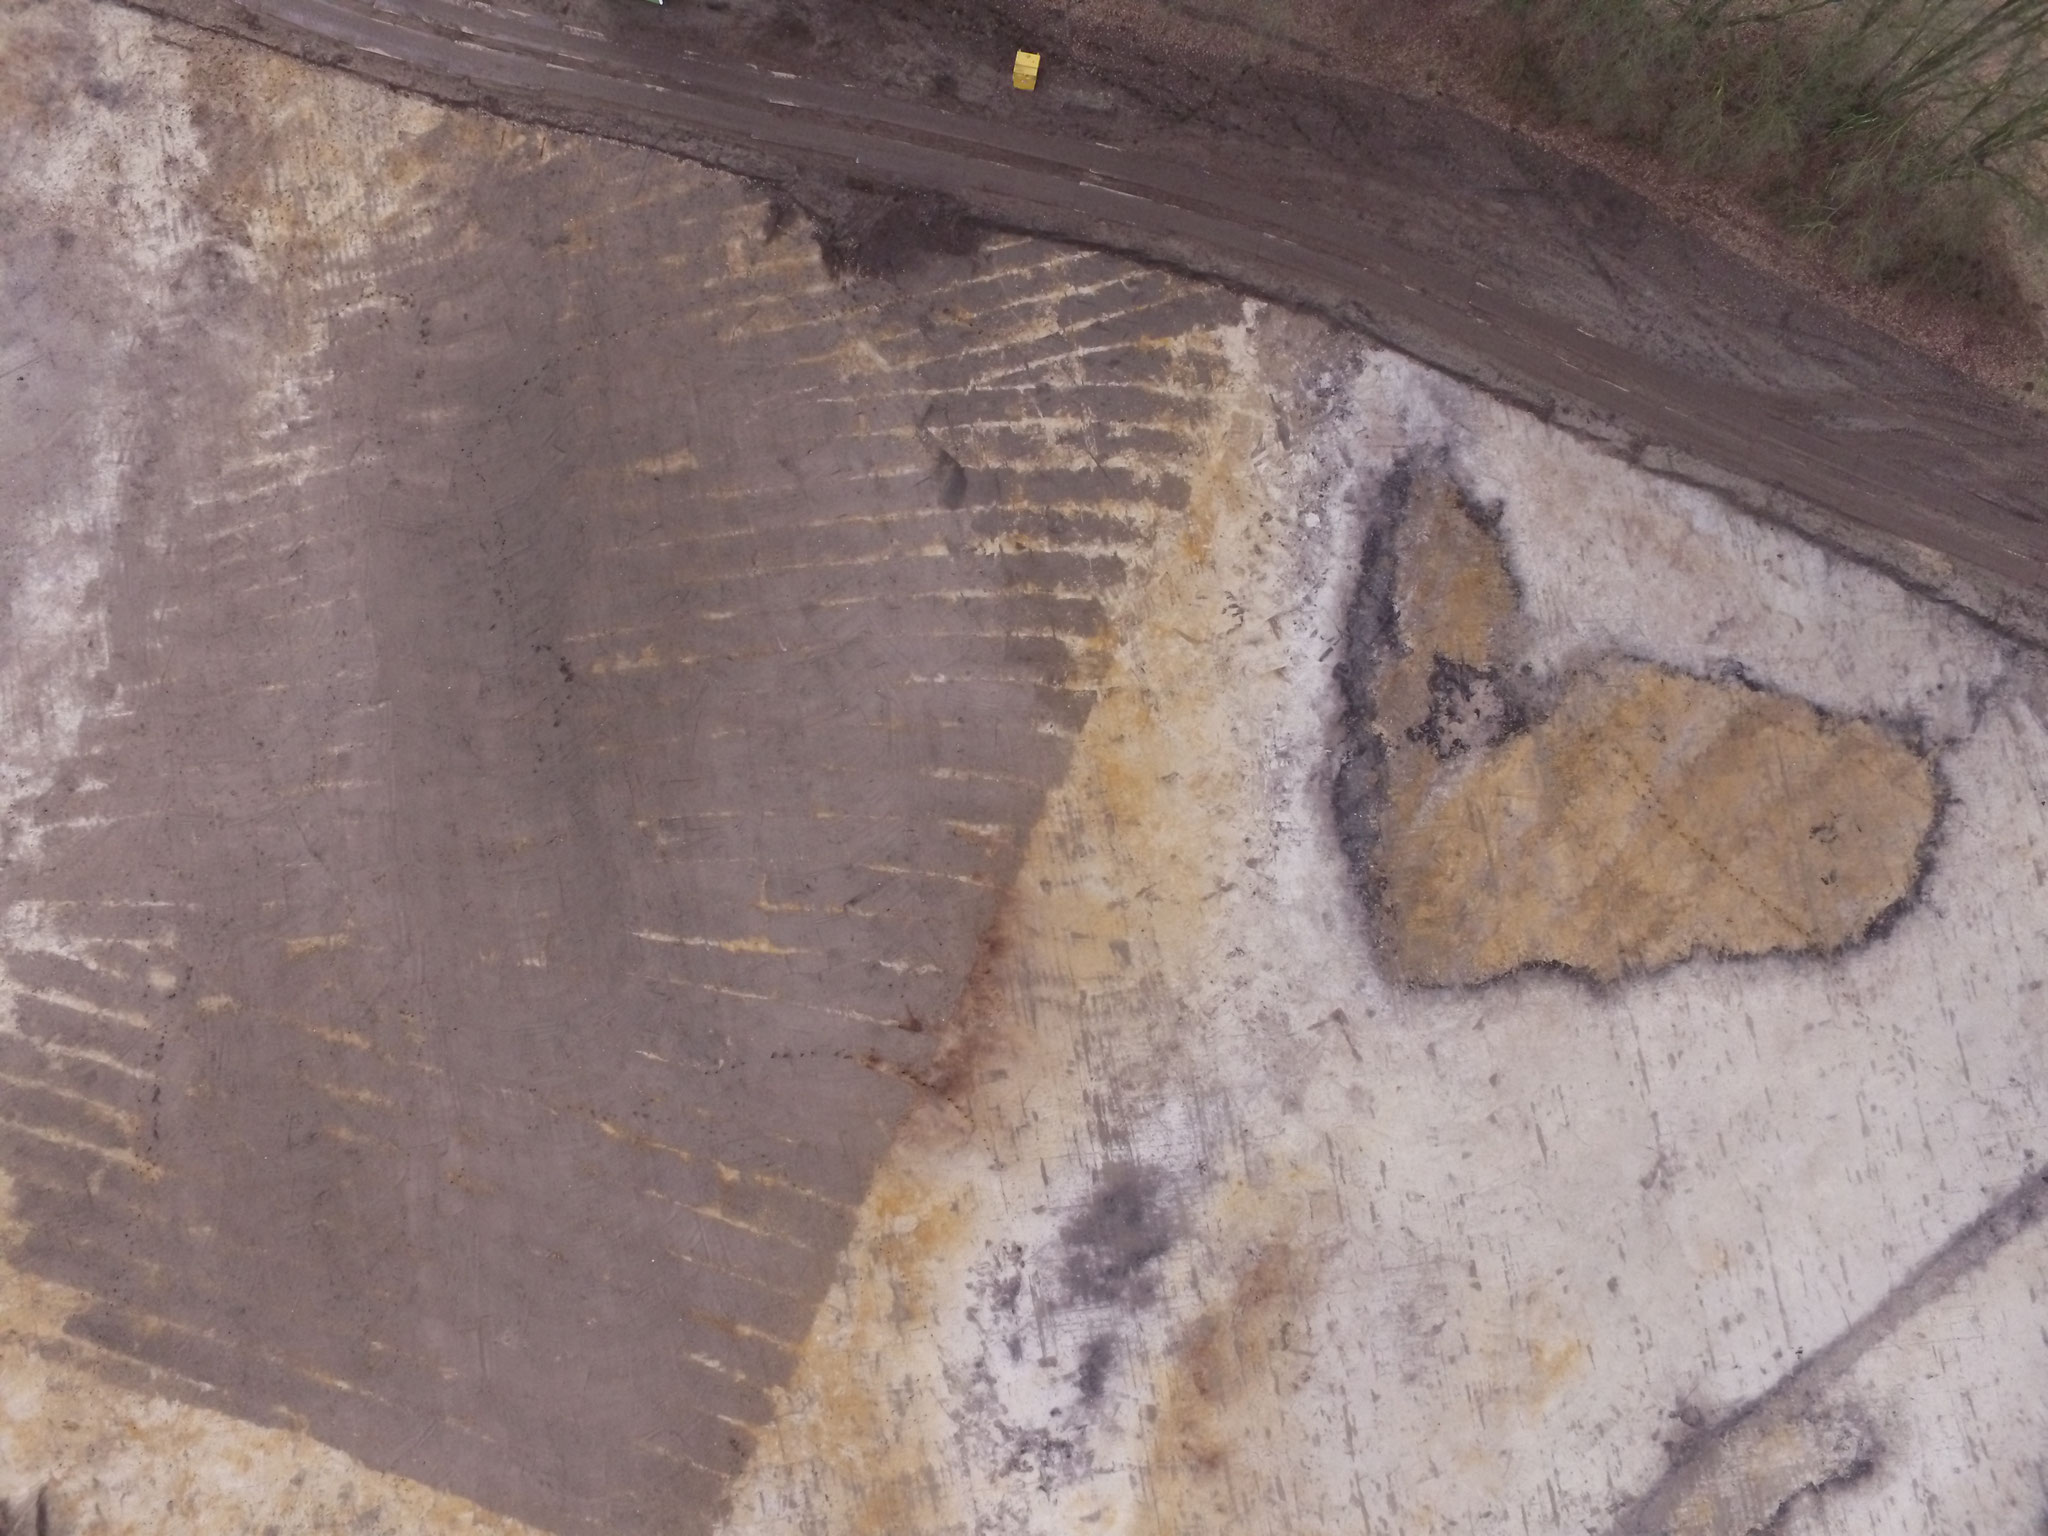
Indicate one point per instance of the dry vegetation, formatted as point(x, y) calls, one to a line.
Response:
point(1901, 134)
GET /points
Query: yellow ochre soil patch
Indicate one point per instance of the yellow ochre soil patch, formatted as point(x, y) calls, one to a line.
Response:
point(1231, 1366)
point(1615, 820)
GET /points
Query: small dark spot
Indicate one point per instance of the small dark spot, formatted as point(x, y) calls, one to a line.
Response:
point(888, 236)
point(1096, 1359)
point(217, 269)
point(1487, 514)
point(1469, 709)
point(65, 238)
point(1006, 1278)
point(791, 28)
point(1048, 1459)
point(1125, 1229)
point(952, 482)
point(1729, 670)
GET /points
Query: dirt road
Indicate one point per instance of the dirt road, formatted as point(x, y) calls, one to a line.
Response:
point(1598, 316)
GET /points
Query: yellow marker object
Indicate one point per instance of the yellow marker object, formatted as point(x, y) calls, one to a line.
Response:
point(1025, 75)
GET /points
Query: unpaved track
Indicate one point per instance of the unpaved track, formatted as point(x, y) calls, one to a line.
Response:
point(1790, 412)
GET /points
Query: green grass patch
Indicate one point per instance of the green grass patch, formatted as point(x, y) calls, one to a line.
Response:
point(1899, 133)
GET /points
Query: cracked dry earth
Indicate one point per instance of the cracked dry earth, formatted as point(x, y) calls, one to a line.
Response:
point(651, 889)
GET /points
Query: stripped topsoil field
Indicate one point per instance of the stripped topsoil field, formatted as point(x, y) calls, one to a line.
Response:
point(536, 702)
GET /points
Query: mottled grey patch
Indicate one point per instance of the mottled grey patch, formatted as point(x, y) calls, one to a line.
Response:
point(952, 482)
point(1113, 1243)
point(1097, 1356)
point(1042, 1456)
point(1470, 708)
